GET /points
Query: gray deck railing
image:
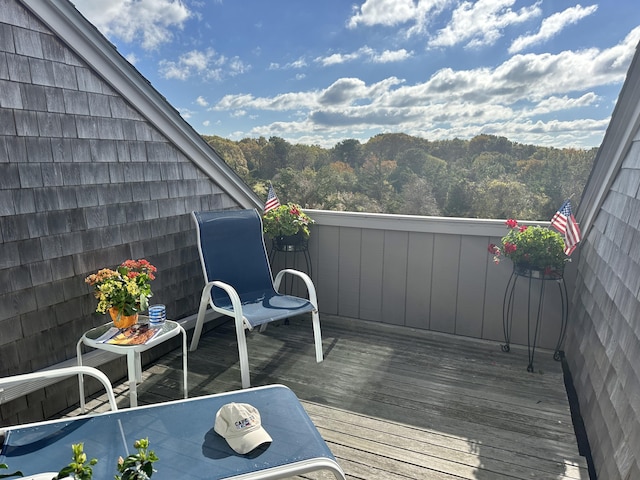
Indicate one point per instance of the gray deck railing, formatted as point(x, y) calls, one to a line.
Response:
point(429, 273)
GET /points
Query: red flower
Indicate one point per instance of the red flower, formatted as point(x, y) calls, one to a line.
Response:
point(509, 248)
point(512, 223)
point(523, 227)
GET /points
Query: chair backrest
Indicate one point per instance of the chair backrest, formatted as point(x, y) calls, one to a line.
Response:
point(232, 250)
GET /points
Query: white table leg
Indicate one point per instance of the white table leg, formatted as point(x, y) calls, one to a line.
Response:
point(80, 376)
point(184, 362)
point(132, 359)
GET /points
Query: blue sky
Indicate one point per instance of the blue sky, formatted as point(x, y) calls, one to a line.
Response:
point(546, 72)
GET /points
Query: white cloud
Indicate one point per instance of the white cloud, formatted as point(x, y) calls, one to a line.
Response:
point(202, 101)
point(551, 26)
point(481, 23)
point(296, 64)
point(206, 64)
point(506, 100)
point(389, 56)
point(383, 12)
point(152, 21)
point(186, 113)
point(132, 58)
point(365, 53)
point(564, 103)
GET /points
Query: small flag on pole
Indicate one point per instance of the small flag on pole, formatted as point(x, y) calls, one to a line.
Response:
point(566, 224)
point(272, 200)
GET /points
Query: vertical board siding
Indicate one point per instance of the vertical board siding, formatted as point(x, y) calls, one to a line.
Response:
point(444, 287)
point(430, 281)
point(471, 288)
point(349, 269)
point(370, 254)
point(394, 277)
point(418, 294)
point(325, 255)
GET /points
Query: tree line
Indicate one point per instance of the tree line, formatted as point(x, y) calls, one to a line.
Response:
point(487, 176)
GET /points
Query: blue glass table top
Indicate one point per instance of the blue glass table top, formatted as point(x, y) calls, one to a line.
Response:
point(181, 434)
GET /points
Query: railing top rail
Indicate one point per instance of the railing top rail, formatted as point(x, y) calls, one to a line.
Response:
point(414, 223)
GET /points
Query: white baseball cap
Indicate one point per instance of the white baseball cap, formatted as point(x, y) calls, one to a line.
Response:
point(240, 425)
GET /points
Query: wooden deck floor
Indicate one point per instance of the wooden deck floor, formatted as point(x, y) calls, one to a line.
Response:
point(398, 404)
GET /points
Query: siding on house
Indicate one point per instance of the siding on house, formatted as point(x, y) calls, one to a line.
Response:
point(86, 181)
point(603, 342)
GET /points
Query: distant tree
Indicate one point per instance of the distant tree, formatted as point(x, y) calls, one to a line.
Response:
point(231, 153)
point(452, 151)
point(506, 199)
point(252, 151)
point(374, 179)
point(409, 164)
point(487, 176)
point(352, 202)
point(335, 178)
point(348, 151)
point(297, 186)
point(274, 156)
point(418, 198)
point(391, 145)
point(487, 165)
point(459, 199)
point(489, 143)
point(307, 156)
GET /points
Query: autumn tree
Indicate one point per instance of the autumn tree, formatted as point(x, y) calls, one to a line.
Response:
point(231, 153)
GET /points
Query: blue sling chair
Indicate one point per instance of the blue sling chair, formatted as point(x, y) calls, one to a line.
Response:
point(239, 283)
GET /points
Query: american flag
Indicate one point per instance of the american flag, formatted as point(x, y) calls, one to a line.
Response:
point(272, 200)
point(566, 224)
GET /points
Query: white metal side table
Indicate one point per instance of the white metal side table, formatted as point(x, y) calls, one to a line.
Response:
point(134, 366)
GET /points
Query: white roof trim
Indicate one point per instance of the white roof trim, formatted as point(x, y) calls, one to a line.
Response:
point(82, 37)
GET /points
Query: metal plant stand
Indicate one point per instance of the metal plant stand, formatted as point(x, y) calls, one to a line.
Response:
point(299, 246)
point(509, 301)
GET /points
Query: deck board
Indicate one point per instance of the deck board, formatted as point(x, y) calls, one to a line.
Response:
point(396, 403)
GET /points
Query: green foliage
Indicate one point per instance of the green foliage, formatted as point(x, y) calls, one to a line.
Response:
point(4, 466)
point(128, 288)
point(137, 466)
point(78, 469)
point(487, 176)
point(535, 247)
point(287, 219)
point(231, 153)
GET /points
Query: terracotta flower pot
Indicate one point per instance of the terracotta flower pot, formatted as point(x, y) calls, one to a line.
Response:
point(122, 321)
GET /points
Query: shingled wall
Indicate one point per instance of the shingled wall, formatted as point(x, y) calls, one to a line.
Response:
point(603, 340)
point(85, 183)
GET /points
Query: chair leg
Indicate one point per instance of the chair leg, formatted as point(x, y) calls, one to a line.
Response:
point(197, 331)
point(317, 335)
point(243, 353)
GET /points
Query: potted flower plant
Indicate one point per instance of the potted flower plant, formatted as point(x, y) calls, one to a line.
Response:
point(532, 248)
point(137, 466)
point(287, 224)
point(79, 468)
point(123, 292)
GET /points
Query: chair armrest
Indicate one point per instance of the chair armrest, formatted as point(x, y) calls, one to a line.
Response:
point(233, 296)
point(61, 373)
point(311, 289)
